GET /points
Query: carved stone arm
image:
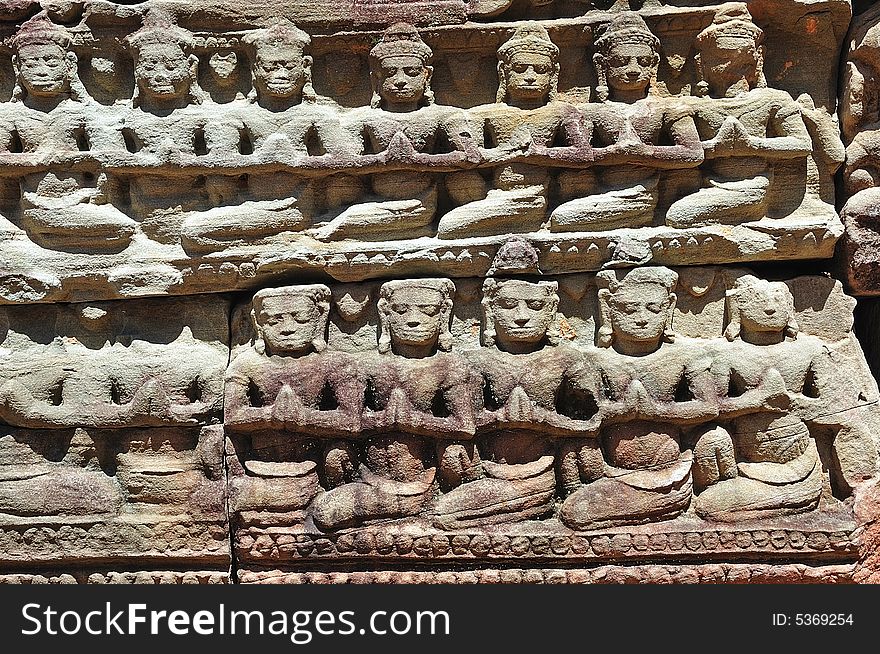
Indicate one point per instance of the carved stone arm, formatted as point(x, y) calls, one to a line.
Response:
point(770, 395)
point(239, 413)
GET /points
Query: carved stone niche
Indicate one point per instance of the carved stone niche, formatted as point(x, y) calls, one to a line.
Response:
point(226, 173)
point(429, 421)
point(111, 455)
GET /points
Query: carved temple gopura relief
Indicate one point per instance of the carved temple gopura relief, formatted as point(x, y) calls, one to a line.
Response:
point(164, 158)
point(470, 291)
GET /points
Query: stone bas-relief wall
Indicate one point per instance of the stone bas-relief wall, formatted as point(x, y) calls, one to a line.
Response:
point(144, 152)
point(550, 419)
point(111, 449)
point(403, 291)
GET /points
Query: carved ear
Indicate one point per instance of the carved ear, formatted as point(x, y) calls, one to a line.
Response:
point(791, 329)
point(488, 322)
point(259, 343)
point(669, 332)
point(307, 62)
point(702, 86)
point(731, 332)
point(502, 84)
point(319, 342)
point(444, 341)
point(605, 335)
point(384, 330)
point(602, 87)
point(429, 93)
point(376, 99)
point(762, 80)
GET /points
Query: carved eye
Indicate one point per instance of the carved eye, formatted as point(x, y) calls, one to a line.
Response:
point(542, 69)
point(646, 61)
point(520, 68)
point(399, 308)
point(412, 72)
point(507, 303)
point(619, 62)
point(653, 307)
point(429, 309)
point(535, 305)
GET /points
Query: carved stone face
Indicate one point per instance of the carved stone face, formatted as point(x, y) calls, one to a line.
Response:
point(43, 69)
point(764, 307)
point(522, 311)
point(222, 65)
point(639, 313)
point(414, 315)
point(731, 64)
point(279, 71)
point(402, 80)
point(162, 71)
point(630, 66)
point(529, 76)
point(288, 323)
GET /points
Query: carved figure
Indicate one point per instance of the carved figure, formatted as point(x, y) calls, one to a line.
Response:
point(167, 124)
point(526, 118)
point(223, 68)
point(64, 206)
point(403, 127)
point(282, 123)
point(745, 125)
point(524, 401)
point(416, 391)
point(285, 392)
point(659, 386)
point(765, 462)
point(628, 127)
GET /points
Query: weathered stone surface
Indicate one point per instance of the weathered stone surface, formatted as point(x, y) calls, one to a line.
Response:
point(512, 434)
point(80, 497)
point(120, 183)
point(458, 292)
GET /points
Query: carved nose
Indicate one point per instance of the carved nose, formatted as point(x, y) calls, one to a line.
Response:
point(521, 322)
point(770, 311)
point(642, 323)
point(412, 323)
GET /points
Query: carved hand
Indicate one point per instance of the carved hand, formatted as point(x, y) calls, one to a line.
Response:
point(288, 407)
point(151, 400)
point(775, 396)
point(14, 398)
point(400, 149)
point(519, 407)
point(398, 411)
point(732, 138)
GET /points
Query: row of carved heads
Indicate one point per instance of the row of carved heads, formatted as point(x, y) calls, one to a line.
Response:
point(166, 66)
point(633, 304)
